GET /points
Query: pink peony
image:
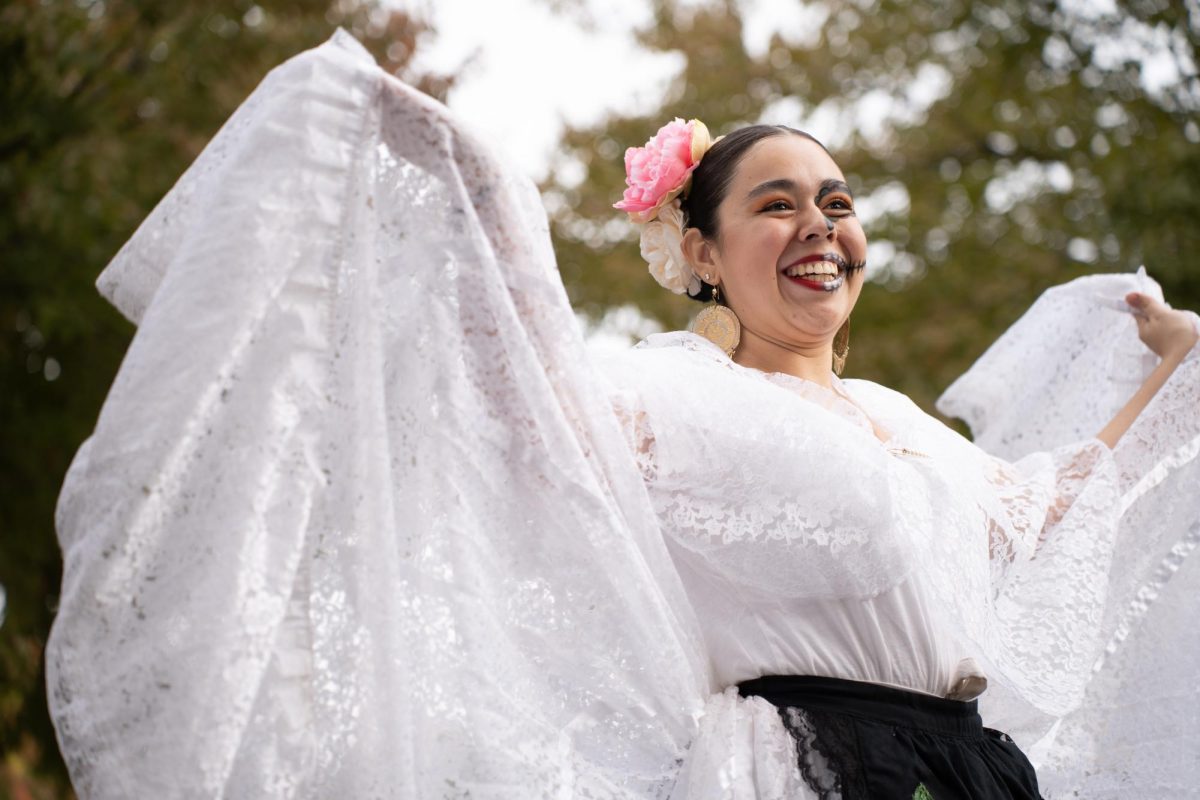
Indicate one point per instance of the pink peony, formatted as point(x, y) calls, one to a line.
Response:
point(658, 172)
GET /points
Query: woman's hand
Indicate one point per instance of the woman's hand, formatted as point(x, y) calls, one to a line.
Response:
point(1167, 332)
point(1170, 334)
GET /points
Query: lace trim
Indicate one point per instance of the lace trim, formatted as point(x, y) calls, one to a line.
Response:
point(826, 753)
point(835, 398)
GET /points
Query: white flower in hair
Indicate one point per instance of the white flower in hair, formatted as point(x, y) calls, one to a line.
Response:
point(661, 238)
point(655, 177)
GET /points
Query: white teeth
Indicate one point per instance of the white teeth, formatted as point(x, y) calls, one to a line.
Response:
point(812, 269)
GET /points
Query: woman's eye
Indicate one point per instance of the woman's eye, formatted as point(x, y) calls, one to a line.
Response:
point(778, 205)
point(838, 205)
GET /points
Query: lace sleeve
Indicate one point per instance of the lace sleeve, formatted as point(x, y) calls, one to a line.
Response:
point(635, 426)
point(381, 533)
point(1031, 538)
point(1059, 374)
point(1036, 493)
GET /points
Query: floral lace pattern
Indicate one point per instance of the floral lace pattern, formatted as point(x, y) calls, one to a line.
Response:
point(1135, 734)
point(381, 536)
point(822, 770)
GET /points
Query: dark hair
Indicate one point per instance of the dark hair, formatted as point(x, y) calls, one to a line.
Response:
point(710, 181)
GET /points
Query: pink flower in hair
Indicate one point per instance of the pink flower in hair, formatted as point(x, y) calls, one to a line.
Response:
point(659, 171)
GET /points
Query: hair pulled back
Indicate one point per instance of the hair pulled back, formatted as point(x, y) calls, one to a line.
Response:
point(711, 179)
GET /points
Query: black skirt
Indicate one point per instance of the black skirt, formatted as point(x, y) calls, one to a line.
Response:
point(862, 741)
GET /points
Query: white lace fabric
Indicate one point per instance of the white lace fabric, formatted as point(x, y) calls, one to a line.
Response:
point(353, 521)
point(1066, 367)
point(358, 518)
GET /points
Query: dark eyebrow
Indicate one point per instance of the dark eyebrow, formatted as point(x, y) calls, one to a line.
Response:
point(833, 185)
point(785, 184)
point(771, 186)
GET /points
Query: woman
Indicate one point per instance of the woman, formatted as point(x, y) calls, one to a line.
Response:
point(767, 221)
point(383, 535)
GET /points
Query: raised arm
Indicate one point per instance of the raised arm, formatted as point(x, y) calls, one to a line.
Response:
point(1170, 334)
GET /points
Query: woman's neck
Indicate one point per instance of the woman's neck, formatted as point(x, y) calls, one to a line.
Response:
point(810, 363)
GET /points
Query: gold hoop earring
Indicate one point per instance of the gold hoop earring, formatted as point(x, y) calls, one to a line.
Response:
point(719, 325)
point(841, 347)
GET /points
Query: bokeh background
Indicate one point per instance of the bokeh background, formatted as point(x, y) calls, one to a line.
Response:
point(997, 147)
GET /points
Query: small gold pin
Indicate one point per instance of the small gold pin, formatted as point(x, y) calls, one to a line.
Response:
point(904, 451)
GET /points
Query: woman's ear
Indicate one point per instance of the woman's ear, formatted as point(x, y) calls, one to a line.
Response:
point(701, 255)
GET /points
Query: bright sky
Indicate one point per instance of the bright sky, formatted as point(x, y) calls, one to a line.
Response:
point(530, 68)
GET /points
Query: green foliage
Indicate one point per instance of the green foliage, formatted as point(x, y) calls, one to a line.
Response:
point(1029, 91)
point(105, 105)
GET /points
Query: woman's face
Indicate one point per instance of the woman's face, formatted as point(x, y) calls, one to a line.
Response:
point(789, 246)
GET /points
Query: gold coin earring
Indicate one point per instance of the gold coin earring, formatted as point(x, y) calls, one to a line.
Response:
point(718, 324)
point(841, 347)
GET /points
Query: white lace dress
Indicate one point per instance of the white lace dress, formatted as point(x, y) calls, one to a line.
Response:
point(358, 518)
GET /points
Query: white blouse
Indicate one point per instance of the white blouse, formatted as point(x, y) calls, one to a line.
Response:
point(889, 639)
point(811, 545)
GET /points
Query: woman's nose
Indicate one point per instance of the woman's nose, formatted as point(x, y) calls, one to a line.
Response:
point(816, 225)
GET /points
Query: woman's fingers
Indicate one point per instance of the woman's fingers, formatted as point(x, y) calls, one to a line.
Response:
point(1143, 305)
point(1165, 331)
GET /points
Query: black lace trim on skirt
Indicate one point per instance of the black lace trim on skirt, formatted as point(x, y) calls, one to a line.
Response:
point(862, 741)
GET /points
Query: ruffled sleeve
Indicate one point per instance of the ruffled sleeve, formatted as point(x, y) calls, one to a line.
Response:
point(355, 520)
point(1061, 373)
point(1019, 551)
point(1039, 491)
point(1052, 553)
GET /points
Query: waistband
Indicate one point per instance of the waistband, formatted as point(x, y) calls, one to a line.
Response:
point(870, 701)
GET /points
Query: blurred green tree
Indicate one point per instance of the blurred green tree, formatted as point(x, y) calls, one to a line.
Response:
point(998, 147)
point(105, 104)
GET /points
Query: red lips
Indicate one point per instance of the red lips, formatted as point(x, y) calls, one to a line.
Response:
point(816, 286)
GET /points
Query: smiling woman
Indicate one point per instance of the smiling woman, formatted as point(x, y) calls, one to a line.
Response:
point(784, 245)
point(392, 532)
point(873, 639)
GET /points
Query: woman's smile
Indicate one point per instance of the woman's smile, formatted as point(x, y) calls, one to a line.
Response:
point(787, 255)
point(824, 272)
